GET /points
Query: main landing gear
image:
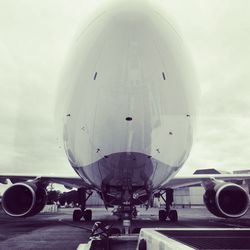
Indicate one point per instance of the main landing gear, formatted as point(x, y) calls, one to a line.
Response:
point(168, 199)
point(83, 196)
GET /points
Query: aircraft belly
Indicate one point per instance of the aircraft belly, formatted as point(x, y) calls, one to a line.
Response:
point(127, 170)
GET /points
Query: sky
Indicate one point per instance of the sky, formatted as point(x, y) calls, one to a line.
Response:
point(35, 38)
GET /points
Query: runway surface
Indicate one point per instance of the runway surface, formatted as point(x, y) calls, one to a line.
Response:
point(57, 231)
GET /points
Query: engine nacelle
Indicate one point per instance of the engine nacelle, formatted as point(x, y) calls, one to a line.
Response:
point(227, 200)
point(24, 199)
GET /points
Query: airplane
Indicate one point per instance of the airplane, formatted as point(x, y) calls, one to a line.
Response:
point(128, 120)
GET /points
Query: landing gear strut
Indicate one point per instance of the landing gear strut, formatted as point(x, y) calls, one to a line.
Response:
point(168, 199)
point(83, 196)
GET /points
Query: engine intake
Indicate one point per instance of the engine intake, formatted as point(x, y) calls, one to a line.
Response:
point(227, 200)
point(24, 199)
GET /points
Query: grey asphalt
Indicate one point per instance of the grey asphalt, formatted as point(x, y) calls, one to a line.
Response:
point(57, 231)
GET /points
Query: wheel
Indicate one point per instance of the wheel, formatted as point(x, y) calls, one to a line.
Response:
point(143, 244)
point(162, 215)
point(77, 215)
point(173, 216)
point(87, 215)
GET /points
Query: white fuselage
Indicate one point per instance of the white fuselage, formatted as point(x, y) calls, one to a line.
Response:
point(129, 104)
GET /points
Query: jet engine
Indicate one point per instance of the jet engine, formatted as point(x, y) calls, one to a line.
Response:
point(227, 200)
point(24, 199)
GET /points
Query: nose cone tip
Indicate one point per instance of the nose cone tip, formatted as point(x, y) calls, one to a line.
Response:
point(123, 7)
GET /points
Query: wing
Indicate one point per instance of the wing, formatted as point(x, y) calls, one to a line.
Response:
point(195, 180)
point(68, 182)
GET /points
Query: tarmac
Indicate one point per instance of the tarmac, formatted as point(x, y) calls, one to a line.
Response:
point(58, 231)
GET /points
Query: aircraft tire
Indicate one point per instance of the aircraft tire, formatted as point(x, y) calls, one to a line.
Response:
point(87, 215)
point(77, 215)
point(162, 215)
point(173, 216)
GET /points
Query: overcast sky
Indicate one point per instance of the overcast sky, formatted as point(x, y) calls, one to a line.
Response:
point(35, 37)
